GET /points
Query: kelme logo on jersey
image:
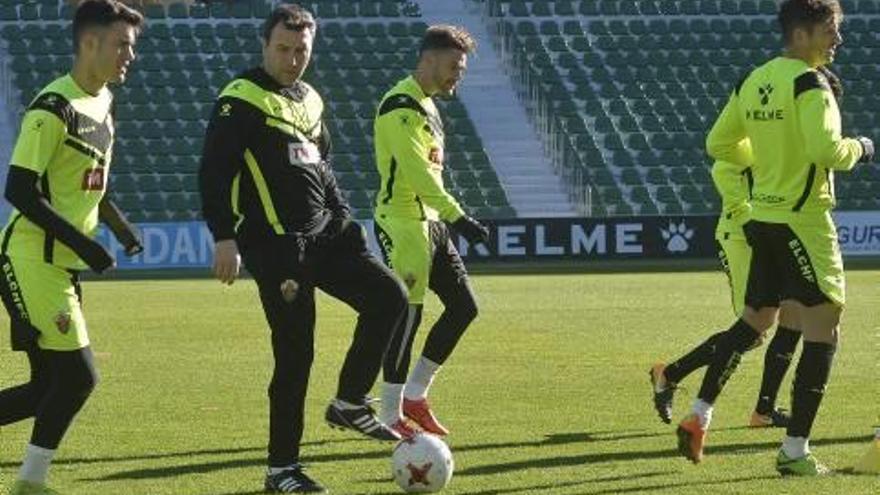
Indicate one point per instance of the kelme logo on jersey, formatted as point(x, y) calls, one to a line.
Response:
point(765, 92)
point(303, 154)
point(765, 115)
point(762, 115)
point(802, 259)
point(93, 180)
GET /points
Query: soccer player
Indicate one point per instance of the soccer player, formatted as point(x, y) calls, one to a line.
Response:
point(56, 183)
point(734, 183)
point(412, 208)
point(786, 109)
point(268, 192)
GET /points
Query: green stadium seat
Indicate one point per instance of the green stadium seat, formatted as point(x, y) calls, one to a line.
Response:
point(155, 11)
point(541, 9)
point(198, 11)
point(178, 10)
point(347, 9)
point(29, 12)
point(241, 10)
point(389, 9)
point(170, 183)
point(549, 28)
point(639, 194)
point(368, 8)
point(668, 7)
point(563, 8)
point(608, 7)
point(220, 10)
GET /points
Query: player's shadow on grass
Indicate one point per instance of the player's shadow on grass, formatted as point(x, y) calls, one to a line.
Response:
point(489, 469)
point(554, 486)
point(604, 457)
point(688, 486)
point(211, 466)
point(169, 455)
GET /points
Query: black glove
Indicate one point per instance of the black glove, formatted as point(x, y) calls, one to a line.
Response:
point(94, 254)
point(867, 149)
point(472, 230)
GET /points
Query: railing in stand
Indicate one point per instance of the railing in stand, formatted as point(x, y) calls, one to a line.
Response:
point(528, 88)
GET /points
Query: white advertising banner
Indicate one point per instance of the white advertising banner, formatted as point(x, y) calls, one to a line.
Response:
point(858, 232)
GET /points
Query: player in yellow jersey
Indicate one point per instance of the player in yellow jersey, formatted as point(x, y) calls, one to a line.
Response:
point(787, 111)
point(412, 209)
point(56, 183)
point(734, 185)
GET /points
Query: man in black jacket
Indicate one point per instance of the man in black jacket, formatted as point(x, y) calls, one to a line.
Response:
point(268, 192)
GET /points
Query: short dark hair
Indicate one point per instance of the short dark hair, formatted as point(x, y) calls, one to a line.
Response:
point(291, 15)
point(795, 14)
point(103, 13)
point(445, 36)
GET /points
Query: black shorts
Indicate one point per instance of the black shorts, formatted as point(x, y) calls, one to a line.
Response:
point(782, 267)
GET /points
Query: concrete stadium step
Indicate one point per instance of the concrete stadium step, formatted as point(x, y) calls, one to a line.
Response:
point(510, 141)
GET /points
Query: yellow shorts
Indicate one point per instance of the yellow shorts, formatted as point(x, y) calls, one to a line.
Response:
point(422, 254)
point(736, 258)
point(44, 303)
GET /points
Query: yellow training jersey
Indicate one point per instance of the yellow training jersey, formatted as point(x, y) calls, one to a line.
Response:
point(789, 115)
point(66, 138)
point(409, 155)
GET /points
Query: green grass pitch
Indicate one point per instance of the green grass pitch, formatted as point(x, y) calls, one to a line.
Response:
point(546, 394)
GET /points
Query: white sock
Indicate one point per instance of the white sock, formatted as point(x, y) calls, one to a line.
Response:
point(35, 467)
point(345, 406)
point(703, 410)
point(391, 399)
point(275, 470)
point(796, 447)
point(420, 379)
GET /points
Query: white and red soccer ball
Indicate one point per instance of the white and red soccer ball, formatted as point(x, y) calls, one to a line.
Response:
point(422, 464)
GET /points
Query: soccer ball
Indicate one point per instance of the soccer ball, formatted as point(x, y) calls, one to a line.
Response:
point(422, 464)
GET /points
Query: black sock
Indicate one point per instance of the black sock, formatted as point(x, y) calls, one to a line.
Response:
point(18, 403)
point(809, 386)
point(698, 357)
point(778, 358)
point(398, 355)
point(460, 309)
point(728, 352)
point(73, 377)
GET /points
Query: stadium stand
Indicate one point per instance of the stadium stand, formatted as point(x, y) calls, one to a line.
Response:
point(621, 91)
point(189, 50)
point(624, 91)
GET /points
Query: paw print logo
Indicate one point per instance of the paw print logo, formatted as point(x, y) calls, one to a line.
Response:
point(677, 237)
point(765, 92)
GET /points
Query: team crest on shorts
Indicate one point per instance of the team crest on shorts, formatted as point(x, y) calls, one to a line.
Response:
point(409, 280)
point(62, 322)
